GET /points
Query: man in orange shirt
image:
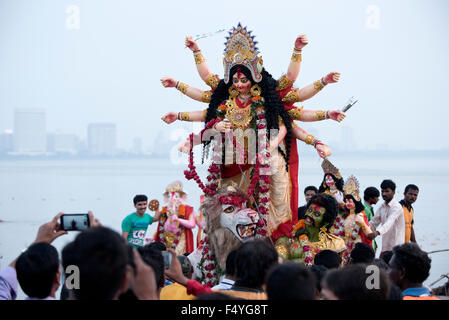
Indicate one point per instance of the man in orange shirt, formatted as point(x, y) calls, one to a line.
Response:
point(410, 196)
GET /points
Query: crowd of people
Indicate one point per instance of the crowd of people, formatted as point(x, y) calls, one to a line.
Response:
point(101, 264)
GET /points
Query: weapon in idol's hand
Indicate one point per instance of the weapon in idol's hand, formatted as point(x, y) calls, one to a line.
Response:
point(350, 103)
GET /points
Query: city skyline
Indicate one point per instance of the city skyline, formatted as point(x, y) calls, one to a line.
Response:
point(101, 140)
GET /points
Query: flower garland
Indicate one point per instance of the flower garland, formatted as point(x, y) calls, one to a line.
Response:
point(208, 265)
point(355, 230)
point(339, 226)
point(161, 228)
point(259, 184)
point(306, 250)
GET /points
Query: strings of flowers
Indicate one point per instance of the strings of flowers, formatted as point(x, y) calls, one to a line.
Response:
point(208, 265)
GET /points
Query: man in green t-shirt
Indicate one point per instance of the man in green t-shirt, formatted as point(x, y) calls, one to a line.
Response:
point(370, 197)
point(135, 225)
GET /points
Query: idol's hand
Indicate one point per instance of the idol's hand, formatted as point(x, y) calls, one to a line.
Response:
point(223, 126)
point(168, 82)
point(185, 146)
point(170, 117)
point(191, 44)
point(323, 150)
point(336, 115)
point(332, 77)
point(301, 41)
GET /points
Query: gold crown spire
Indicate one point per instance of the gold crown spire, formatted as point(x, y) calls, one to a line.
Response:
point(351, 187)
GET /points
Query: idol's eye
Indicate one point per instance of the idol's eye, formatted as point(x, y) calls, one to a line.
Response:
point(244, 80)
point(317, 214)
point(309, 210)
point(229, 209)
point(235, 80)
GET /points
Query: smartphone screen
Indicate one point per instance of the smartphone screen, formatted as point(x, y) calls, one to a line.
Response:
point(167, 259)
point(75, 222)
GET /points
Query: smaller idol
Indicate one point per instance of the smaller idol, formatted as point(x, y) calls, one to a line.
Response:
point(312, 232)
point(356, 225)
point(176, 221)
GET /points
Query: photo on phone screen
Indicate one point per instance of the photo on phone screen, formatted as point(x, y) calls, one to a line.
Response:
point(167, 259)
point(74, 222)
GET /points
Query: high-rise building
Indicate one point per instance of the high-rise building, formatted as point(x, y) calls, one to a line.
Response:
point(30, 136)
point(6, 141)
point(102, 139)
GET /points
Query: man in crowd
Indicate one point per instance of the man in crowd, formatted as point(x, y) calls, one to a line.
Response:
point(37, 268)
point(370, 197)
point(410, 196)
point(409, 268)
point(135, 225)
point(309, 192)
point(389, 219)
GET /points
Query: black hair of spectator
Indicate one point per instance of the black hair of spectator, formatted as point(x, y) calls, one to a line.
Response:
point(290, 281)
point(152, 256)
point(230, 263)
point(381, 264)
point(415, 262)
point(311, 188)
point(387, 256)
point(157, 245)
point(253, 260)
point(350, 283)
point(139, 198)
point(371, 192)
point(37, 268)
point(101, 256)
point(411, 186)
point(388, 184)
point(319, 271)
point(362, 253)
point(328, 258)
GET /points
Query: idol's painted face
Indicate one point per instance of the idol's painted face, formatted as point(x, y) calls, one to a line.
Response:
point(329, 180)
point(314, 215)
point(349, 203)
point(241, 82)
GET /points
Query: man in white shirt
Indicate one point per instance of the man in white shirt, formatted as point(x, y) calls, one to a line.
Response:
point(389, 219)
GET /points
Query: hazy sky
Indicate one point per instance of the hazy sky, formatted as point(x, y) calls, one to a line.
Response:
point(104, 64)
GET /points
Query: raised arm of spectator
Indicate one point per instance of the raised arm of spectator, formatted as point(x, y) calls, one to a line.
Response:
point(47, 232)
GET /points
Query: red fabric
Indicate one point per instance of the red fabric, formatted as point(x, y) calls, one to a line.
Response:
point(231, 170)
point(196, 288)
point(362, 234)
point(188, 232)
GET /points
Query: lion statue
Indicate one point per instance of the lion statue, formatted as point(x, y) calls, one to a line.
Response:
point(229, 222)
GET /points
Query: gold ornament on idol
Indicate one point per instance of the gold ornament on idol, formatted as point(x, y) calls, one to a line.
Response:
point(198, 57)
point(309, 139)
point(239, 117)
point(256, 90)
point(206, 96)
point(233, 92)
point(182, 87)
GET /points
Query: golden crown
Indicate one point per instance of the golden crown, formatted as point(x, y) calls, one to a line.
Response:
point(174, 187)
point(328, 167)
point(240, 49)
point(351, 187)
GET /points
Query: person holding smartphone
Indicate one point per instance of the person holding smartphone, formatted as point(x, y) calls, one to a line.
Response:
point(135, 225)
